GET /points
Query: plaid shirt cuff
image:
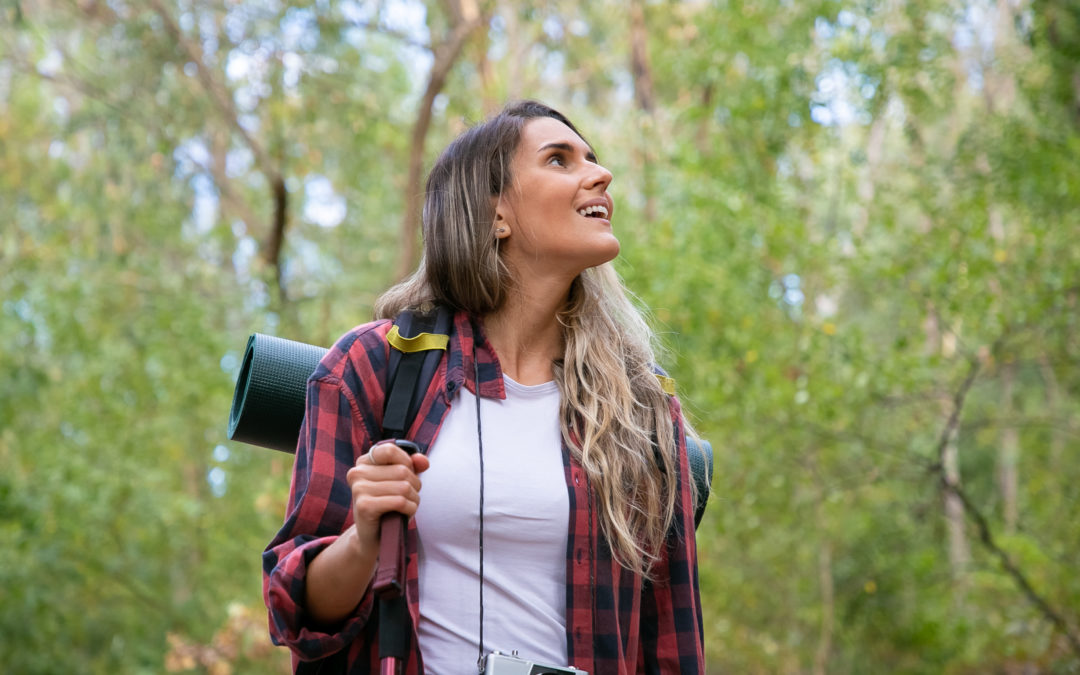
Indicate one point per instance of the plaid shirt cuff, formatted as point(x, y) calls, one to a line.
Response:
point(291, 625)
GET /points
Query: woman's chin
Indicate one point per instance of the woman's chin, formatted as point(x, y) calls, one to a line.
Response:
point(611, 251)
point(603, 257)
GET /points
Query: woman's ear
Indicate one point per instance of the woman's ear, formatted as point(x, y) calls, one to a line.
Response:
point(501, 226)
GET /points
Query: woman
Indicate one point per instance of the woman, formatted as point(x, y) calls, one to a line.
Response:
point(570, 467)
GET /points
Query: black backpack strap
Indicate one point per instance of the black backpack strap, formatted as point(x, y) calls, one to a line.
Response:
point(417, 340)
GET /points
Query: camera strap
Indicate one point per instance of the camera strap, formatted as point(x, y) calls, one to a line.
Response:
point(480, 449)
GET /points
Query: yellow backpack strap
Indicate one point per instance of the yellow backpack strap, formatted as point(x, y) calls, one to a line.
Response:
point(667, 384)
point(412, 365)
point(419, 343)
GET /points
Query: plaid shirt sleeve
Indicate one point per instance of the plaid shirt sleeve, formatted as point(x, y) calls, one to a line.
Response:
point(340, 421)
point(672, 632)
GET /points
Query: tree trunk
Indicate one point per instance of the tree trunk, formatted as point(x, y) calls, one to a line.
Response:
point(466, 19)
point(646, 101)
point(702, 136)
point(959, 549)
point(1008, 453)
point(867, 182)
point(828, 608)
point(639, 58)
point(1057, 416)
point(826, 585)
point(999, 91)
point(516, 43)
point(489, 99)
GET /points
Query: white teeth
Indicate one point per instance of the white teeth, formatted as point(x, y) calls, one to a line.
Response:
point(602, 210)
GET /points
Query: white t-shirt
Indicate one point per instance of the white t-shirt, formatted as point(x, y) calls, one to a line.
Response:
point(526, 510)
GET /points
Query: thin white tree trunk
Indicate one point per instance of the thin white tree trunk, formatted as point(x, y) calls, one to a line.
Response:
point(1009, 454)
point(1053, 408)
point(959, 549)
point(828, 599)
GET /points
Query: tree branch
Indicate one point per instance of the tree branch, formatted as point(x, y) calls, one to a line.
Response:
point(986, 536)
point(222, 100)
point(987, 539)
point(389, 32)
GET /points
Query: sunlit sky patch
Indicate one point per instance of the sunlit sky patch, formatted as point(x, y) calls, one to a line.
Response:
point(322, 204)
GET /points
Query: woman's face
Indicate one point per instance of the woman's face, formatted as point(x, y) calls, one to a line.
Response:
point(556, 214)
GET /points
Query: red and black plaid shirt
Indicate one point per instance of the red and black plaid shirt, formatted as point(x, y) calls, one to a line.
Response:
point(616, 622)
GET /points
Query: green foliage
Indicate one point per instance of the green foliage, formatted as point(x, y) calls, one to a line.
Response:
point(834, 211)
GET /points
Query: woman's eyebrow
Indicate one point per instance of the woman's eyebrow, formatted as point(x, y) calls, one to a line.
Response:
point(566, 147)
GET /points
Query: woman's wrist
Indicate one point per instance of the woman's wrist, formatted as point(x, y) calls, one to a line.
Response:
point(338, 577)
point(364, 545)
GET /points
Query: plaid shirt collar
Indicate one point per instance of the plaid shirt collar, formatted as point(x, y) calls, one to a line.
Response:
point(466, 340)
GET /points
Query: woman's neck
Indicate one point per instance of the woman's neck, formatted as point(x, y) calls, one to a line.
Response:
point(527, 336)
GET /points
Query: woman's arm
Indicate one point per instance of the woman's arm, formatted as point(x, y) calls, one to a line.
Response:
point(382, 481)
point(318, 513)
point(318, 615)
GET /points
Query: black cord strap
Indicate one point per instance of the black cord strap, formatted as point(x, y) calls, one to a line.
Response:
point(480, 446)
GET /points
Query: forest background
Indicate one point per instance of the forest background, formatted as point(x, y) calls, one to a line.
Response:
point(856, 223)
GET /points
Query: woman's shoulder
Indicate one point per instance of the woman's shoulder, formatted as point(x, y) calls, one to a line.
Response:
point(362, 350)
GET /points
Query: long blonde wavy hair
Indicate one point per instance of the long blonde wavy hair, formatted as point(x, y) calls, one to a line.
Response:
point(615, 417)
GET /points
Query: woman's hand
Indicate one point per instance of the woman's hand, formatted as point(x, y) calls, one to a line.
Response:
point(384, 480)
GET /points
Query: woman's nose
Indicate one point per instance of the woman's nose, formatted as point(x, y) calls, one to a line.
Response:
point(597, 176)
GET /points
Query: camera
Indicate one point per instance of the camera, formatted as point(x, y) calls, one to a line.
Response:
point(497, 663)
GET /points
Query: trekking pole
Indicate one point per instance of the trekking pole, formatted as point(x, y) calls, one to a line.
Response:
point(389, 589)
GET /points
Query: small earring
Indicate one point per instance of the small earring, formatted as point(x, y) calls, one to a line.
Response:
point(501, 230)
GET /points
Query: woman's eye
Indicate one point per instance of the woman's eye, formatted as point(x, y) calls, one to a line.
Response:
point(557, 160)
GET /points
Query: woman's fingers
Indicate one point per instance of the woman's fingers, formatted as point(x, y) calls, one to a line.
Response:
point(371, 508)
point(403, 484)
point(384, 480)
point(373, 500)
point(365, 472)
point(420, 462)
point(385, 453)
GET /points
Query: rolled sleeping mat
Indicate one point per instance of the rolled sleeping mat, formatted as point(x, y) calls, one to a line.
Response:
point(699, 453)
point(268, 402)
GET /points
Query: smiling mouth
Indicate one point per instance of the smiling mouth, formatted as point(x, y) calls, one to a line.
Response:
point(594, 212)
